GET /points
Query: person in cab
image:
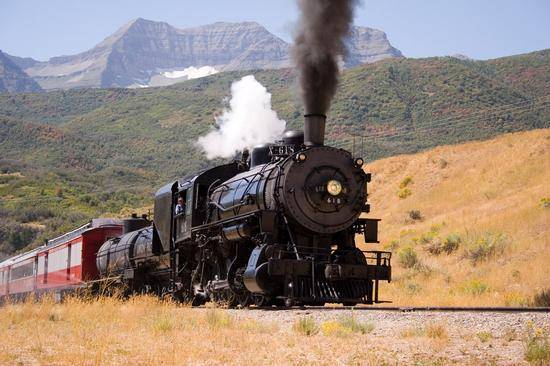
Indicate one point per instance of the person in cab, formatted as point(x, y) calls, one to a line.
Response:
point(180, 207)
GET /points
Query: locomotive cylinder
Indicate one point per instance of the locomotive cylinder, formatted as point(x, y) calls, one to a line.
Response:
point(236, 232)
point(314, 129)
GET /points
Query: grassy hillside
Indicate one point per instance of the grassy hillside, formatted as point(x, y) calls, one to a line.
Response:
point(109, 149)
point(468, 224)
point(153, 128)
point(37, 203)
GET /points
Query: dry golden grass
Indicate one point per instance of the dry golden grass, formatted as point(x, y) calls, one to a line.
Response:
point(146, 331)
point(491, 196)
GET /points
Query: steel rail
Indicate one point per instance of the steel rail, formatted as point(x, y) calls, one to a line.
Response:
point(407, 309)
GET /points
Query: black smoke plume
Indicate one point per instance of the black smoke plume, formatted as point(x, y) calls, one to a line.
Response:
point(318, 44)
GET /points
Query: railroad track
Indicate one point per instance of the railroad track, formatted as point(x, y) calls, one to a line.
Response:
point(407, 309)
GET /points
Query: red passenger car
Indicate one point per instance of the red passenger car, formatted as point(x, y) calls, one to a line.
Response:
point(65, 263)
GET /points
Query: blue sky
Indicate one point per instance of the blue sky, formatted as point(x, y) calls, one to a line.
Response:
point(419, 28)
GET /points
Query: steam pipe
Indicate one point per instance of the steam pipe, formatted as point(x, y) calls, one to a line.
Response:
point(314, 129)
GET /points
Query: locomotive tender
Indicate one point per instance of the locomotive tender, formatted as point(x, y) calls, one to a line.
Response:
point(277, 228)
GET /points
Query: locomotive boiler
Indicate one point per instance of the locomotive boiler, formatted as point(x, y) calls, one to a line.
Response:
point(277, 227)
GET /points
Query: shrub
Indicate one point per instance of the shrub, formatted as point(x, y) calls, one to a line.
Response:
point(514, 298)
point(436, 228)
point(451, 243)
point(484, 336)
point(392, 245)
point(475, 287)
point(542, 298)
point(536, 346)
point(30, 214)
point(306, 326)
point(217, 319)
point(415, 215)
point(537, 351)
point(486, 246)
point(428, 237)
point(435, 246)
point(164, 324)
point(408, 257)
point(350, 322)
point(545, 202)
point(334, 328)
point(15, 236)
point(438, 331)
point(404, 193)
point(412, 287)
point(405, 182)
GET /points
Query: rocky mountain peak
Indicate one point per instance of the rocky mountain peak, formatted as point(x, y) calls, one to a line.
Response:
point(366, 45)
point(149, 53)
point(13, 79)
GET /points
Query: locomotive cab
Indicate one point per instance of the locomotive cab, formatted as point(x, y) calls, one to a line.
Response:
point(171, 228)
point(183, 218)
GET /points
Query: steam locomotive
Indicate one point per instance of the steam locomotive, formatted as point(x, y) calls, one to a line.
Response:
point(277, 227)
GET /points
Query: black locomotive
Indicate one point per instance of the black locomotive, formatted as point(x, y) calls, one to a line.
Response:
point(275, 228)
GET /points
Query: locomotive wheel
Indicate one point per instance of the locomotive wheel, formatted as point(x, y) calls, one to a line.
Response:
point(238, 295)
point(182, 296)
point(265, 301)
point(261, 300)
point(240, 299)
point(198, 300)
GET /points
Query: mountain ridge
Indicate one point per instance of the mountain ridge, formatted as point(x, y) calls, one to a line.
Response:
point(13, 79)
point(141, 51)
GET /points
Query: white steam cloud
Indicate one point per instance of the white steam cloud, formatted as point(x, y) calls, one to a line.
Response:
point(247, 122)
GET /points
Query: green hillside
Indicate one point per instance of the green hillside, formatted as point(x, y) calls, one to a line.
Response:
point(70, 155)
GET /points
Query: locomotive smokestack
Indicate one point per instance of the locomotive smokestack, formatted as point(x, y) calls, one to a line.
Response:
point(319, 44)
point(314, 129)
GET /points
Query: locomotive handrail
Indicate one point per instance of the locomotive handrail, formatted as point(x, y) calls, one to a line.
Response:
point(378, 253)
point(295, 248)
point(223, 209)
point(382, 258)
point(233, 219)
point(249, 184)
point(209, 190)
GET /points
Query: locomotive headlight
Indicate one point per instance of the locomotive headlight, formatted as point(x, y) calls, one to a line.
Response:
point(334, 187)
point(359, 162)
